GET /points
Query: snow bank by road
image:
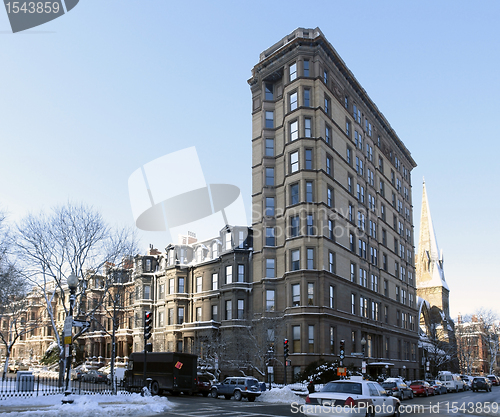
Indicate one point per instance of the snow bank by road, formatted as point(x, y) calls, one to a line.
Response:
point(281, 396)
point(89, 405)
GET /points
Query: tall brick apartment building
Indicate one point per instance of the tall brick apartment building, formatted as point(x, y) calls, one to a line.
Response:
point(333, 217)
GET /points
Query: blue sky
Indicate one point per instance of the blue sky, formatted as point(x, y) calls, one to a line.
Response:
point(90, 97)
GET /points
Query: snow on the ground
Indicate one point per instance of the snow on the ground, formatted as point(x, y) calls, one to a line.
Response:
point(280, 395)
point(89, 405)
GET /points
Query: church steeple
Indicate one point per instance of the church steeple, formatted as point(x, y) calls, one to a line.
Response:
point(431, 283)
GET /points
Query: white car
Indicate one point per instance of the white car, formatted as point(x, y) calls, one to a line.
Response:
point(351, 397)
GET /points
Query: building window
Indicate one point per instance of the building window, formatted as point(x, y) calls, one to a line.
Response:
point(171, 286)
point(295, 295)
point(270, 306)
point(308, 158)
point(294, 226)
point(269, 206)
point(161, 291)
point(353, 303)
point(328, 134)
point(295, 259)
point(270, 239)
point(293, 71)
point(306, 68)
point(241, 273)
point(349, 155)
point(349, 184)
point(180, 315)
point(310, 225)
point(331, 262)
point(198, 314)
point(269, 147)
point(348, 128)
point(294, 130)
point(147, 292)
point(329, 165)
point(351, 213)
point(311, 339)
point(353, 272)
point(329, 197)
point(241, 309)
point(269, 120)
point(307, 97)
point(352, 242)
point(293, 101)
point(215, 281)
point(181, 284)
point(229, 274)
point(327, 105)
point(309, 191)
point(307, 128)
point(325, 77)
point(228, 241)
point(296, 339)
point(270, 268)
point(294, 162)
point(170, 316)
point(294, 194)
point(310, 258)
point(331, 226)
point(215, 315)
point(310, 294)
point(270, 177)
point(198, 284)
point(332, 296)
point(229, 310)
point(269, 88)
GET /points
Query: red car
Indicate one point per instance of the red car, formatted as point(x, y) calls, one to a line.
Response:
point(493, 379)
point(422, 388)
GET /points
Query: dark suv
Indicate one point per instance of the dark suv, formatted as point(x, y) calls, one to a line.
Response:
point(398, 389)
point(480, 382)
point(239, 387)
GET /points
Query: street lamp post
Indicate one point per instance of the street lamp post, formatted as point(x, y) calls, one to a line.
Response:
point(72, 282)
point(363, 363)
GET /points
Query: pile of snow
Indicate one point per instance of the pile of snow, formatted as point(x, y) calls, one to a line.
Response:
point(90, 405)
point(280, 396)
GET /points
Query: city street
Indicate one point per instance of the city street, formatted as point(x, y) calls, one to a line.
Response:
point(452, 404)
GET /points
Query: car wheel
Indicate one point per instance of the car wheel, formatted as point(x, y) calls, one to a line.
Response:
point(370, 412)
point(426, 393)
point(456, 388)
point(237, 395)
point(411, 395)
point(155, 388)
point(214, 393)
point(397, 413)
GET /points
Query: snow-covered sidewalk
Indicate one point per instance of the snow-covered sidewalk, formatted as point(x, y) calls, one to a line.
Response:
point(86, 405)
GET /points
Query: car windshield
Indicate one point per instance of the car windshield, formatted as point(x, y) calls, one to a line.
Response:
point(388, 384)
point(343, 387)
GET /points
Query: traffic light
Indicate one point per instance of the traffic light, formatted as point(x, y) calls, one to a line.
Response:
point(285, 348)
point(148, 324)
point(342, 349)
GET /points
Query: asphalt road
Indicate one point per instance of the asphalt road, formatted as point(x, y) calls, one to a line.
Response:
point(453, 404)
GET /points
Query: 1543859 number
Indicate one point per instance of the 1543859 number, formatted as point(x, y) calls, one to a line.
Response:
point(32, 7)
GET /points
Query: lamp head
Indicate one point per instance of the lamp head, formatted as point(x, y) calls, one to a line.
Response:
point(72, 281)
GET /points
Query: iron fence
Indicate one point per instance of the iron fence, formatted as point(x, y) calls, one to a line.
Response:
point(36, 385)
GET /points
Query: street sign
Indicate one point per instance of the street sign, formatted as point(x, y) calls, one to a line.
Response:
point(363, 367)
point(342, 371)
point(78, 323)
point(356, 354)
point(68, 326)
point(270, 370)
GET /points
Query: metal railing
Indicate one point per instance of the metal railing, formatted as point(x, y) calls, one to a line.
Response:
point(36, 385)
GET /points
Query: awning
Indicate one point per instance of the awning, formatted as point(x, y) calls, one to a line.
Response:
point(380, 364)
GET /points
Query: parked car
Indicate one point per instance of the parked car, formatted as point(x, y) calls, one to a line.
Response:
point(239, 387)
point(397, 388)
point(453, 382)
point(204, 384)
point(94, 376)
point(467, 381)
point(439, 387)
point(422, 388)
point(481, 382)
point(344, 398)
point(494, 379)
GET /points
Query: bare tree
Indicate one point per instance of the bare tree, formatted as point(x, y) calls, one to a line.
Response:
point(467, 344)
point(491, 327)
point(70, 239)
